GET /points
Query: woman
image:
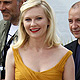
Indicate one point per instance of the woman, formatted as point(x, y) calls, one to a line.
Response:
point(38, 54)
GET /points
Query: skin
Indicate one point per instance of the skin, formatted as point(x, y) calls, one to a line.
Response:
point(74, 22)
point(35, 25)
point(36, 55)
point(10, 10)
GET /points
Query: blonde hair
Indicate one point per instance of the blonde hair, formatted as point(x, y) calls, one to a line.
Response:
point(51, 38)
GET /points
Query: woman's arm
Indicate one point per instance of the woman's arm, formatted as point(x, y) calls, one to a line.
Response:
point(69, 69)
point(9, 66)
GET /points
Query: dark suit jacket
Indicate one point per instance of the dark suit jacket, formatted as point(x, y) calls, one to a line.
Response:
point(73, 46)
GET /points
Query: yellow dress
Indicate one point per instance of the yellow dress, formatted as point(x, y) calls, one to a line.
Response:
point(22, 72)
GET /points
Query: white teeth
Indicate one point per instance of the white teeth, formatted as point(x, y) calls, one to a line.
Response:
point(34, 29)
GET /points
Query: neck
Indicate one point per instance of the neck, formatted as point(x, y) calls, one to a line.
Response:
point(37, 44)
point(15, 21)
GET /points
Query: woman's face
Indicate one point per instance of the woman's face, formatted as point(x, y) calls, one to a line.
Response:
point(35, 22)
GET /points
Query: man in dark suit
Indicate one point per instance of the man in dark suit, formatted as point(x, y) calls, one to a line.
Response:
point(74, 46)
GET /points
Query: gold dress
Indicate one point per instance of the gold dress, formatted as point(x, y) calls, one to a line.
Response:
point(22, 72)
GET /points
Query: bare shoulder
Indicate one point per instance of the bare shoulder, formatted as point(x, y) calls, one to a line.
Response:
point(10, 55)
point(61, 51)
point(9, 65)
point(10, 52)
point(64, 51)
point(62, 48)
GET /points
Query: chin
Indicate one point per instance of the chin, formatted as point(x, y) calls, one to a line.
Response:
point(76, 36)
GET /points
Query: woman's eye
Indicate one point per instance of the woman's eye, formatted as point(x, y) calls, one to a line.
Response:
point(27, 19)
point(39, 18)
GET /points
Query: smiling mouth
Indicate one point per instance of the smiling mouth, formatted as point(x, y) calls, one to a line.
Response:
point(76, 32)
point(5, 13)
point(35, 30)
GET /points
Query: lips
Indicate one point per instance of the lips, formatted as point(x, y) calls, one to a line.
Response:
point(5, 12)
point(78, 31)
point(34, 30)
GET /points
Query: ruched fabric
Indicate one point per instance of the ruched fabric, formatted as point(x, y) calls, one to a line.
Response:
point(22, 72)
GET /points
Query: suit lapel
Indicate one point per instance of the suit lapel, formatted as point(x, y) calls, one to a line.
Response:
point(73, 48)
point(6, 26)
point(6, 29)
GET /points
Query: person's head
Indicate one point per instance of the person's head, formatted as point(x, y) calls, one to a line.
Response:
point(74, 19)
point(30, 10)
point(10, 9)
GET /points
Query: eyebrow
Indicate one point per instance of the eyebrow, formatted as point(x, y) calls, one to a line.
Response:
point(6, 1)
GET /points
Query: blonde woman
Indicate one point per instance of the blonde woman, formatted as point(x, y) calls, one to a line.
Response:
point(38, 54)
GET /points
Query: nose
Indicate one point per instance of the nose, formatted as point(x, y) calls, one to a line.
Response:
point(33, 23)
point(2, 6)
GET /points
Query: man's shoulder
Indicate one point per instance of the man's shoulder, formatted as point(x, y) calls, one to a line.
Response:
point(71, 43)
point(4, 22)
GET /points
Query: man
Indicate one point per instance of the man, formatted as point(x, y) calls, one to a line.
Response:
point(74, 46)
point(10, 10)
